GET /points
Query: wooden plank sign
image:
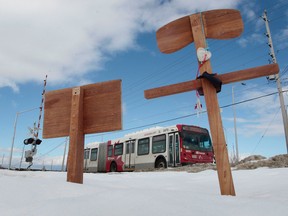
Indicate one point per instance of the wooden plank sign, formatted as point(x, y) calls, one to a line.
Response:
point(216, 24)
point(82, 110)
point(101, 109)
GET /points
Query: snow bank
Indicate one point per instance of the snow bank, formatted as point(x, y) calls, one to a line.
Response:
point(259, 192)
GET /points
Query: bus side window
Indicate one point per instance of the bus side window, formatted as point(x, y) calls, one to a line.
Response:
point(118, 149)
point(159, 144)
point(110, 151)
point(86, 153)
point(94, 152)
point(143, 146)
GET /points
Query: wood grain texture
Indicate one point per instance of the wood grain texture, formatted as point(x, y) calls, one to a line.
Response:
point(57, 112)
point(101, 105)
point(172, 89)
point(222, 23)
point(75, 160)
point(226, 78)
point(250, 73)
point(174, 35)
point(217, 24)
point(214, 116)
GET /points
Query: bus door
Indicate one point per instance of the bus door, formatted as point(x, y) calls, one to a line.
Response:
point(174, 149)
point(130, 155)
point(102, 157)
point(86, 159)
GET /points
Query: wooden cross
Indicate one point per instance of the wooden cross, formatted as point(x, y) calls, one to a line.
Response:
point(217, 24)
point(75, 112)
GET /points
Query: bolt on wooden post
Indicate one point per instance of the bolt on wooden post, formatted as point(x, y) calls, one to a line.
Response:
point(82, 110)
point(216, 24)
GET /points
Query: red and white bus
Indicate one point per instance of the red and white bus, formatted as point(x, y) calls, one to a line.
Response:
point(159, 147)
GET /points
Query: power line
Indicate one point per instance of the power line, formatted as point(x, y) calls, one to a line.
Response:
point(53, 149)
point(186, 116)
point(265, 131)
point(147, 79)
point(164, 74)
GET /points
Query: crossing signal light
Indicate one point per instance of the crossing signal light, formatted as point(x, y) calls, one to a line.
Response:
point(38, 141)
point(32, 141)
point(28, 141)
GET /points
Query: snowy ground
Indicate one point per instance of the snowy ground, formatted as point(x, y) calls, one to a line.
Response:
point(260, 192)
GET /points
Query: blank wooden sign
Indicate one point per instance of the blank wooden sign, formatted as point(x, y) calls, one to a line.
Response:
point(101, 109)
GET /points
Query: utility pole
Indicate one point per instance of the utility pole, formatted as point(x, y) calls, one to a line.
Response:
point(235, 126)
point(276, 77)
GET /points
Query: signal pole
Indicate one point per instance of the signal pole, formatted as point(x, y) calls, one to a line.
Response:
point(276, 77)
point(63, 161)
point(13, 139)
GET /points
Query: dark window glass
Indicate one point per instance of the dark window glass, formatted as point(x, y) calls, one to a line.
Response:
point(159, 144)
point(177, 148)
point(118, 149)
point(143, 146)
point(94, 152)
point(110, 151)
point(196, 141)
point(86, 153)
point(130, 144)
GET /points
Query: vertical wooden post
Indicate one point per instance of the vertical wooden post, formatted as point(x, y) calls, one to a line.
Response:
point(76, 147)
point(214, 116)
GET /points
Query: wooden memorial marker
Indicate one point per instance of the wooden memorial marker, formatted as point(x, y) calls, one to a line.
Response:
point(75, 112)
point(216, 24)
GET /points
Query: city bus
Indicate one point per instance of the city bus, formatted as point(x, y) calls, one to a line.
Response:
point(159, 147)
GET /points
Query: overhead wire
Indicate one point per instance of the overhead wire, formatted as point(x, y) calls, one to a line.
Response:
point(147, 80)
point(252, 59)
point(261, 138)
point(51, 150)
point(153, 74)
point(166, 75)
point(260, 56)
point(188, 115)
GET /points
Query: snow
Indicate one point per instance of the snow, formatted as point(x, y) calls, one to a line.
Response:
point(261, 192)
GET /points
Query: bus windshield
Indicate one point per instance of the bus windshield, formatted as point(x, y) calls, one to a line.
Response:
point(196, 141)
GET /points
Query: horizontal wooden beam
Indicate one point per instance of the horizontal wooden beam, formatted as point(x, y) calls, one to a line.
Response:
point(172, 89)
point(227, 78)
point(250, 73)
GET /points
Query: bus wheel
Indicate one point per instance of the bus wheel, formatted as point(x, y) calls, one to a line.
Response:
point(160, 163)
point(113, 167)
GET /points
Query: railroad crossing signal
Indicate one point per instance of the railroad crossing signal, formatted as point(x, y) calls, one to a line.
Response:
point(216, 24)
point(82, 110)
point(32, 141)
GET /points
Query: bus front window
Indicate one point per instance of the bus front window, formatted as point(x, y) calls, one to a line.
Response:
point(196, 141)
point(205, 142)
